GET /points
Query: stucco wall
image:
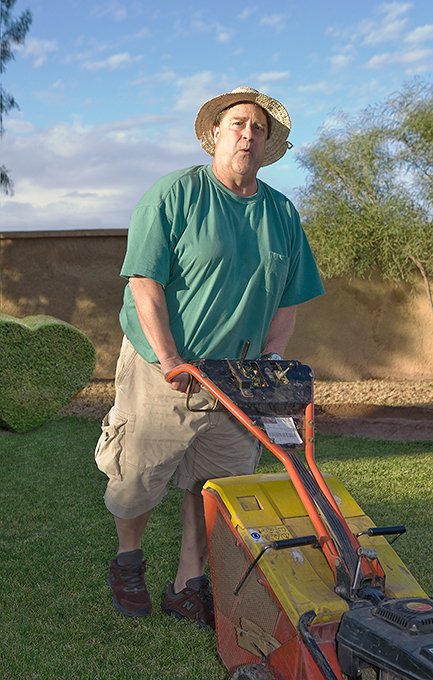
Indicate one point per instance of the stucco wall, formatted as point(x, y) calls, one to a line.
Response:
point(359, 329)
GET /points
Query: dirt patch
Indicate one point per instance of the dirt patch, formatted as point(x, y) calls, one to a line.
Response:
point(93, 402)
point(379, 409)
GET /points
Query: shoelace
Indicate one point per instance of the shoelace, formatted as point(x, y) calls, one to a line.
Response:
point(132, 577)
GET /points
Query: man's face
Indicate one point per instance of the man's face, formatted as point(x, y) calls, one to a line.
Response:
point(240, 139)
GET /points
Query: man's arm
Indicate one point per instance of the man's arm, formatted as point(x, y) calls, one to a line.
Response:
point(280, 330)
point(151, 306)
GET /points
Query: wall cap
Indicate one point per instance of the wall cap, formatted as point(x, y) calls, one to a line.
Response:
point(66, 233)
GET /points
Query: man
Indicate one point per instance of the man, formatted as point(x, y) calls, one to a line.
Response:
point(215, 257)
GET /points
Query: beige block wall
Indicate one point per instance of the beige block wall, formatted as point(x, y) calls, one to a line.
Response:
point(364, 329)
point(73, 276)
point(360, 329)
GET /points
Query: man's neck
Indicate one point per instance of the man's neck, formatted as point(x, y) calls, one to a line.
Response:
point(244, 185)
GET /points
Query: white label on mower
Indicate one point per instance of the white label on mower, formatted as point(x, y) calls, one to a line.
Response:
point(255, 535)
point(282, 430)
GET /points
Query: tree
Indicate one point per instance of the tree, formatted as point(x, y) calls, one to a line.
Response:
point(407, 117)
point(12, 33)
point(368, 198)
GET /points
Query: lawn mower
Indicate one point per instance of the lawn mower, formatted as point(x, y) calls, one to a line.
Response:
point(305, 586)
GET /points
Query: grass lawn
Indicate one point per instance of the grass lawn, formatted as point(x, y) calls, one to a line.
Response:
point(57, 539)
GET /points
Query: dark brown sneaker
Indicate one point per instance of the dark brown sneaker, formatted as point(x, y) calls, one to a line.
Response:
point(126, 579)
point(194, 602)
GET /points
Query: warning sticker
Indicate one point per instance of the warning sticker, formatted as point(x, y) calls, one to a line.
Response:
point(282, 430)
point(268, 534)
point(419, 606)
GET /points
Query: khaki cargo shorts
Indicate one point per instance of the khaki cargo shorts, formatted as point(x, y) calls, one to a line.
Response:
point(149, 435)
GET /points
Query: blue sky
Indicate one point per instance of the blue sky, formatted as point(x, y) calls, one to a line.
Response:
point(108, 90)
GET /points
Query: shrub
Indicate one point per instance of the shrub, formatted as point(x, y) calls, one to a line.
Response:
point(43, 362)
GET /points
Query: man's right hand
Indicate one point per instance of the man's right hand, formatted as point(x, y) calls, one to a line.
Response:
point(151, 306)
point(180, 382)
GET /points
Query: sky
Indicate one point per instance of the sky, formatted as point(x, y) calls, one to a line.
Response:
point(108, 90)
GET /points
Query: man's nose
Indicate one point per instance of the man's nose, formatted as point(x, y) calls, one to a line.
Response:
point(248, 131)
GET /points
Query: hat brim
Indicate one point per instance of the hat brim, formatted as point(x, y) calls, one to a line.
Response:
point(276, 144)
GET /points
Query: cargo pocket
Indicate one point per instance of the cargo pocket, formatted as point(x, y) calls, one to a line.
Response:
point(110, 450)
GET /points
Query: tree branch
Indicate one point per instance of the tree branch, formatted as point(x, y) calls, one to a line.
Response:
point(426, 281)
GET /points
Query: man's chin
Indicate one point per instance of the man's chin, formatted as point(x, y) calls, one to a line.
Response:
point(245, 166)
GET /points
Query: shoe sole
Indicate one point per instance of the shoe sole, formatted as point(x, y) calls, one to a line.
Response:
point(179, 616)
point(138, 613)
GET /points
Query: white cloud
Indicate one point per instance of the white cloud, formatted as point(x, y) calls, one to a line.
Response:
point(321, 87)
point(415, 55)
point(196, 89)
point(391, 26)
point(114, 62)
point(97, 48)
point(416, 61)
point(276, 21)
point(76, 177)
point(222, 33)
point(387, 31)
point(392, 10)
point(115, 10)
point(420, 34)
point(142, 34)
point(379, 61)
point(273, 77)
point(58, 85)
point(247, 13)
point(39, 49)
point(19, 126)
point(340, 61)
point(387, 27)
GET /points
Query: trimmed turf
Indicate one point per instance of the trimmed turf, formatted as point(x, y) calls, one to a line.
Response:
point(44, 361)
point(56, 540)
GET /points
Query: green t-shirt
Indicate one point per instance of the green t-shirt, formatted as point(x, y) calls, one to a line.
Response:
point(226, 263)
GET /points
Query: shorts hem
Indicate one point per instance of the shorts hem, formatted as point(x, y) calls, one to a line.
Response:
point(189, 484)
point(124, 512)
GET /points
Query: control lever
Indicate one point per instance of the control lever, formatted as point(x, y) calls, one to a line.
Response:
point(277, 545)
point(245, 351)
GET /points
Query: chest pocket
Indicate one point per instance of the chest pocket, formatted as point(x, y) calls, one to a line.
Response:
point(275, 274)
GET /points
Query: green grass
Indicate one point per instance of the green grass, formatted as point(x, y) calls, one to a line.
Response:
point(56, 541)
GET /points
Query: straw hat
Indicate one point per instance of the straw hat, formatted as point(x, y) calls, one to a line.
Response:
point(276, 144)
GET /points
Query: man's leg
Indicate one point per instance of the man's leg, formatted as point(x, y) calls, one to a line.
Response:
point(194, 550)
point(130, 532)
point(126, 576)
point(189, 596)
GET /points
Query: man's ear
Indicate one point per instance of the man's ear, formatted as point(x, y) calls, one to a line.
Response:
point(216, 132)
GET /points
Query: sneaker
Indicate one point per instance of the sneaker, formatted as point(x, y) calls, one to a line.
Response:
point(126, 579)
point(194, 602)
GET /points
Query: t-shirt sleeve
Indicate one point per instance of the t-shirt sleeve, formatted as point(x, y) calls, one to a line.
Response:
point(148, 249)
point(303, 279)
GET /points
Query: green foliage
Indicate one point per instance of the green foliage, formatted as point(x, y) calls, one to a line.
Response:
point(43, 362)
point(367, 202)
point(12, 33)
point(407, 118)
